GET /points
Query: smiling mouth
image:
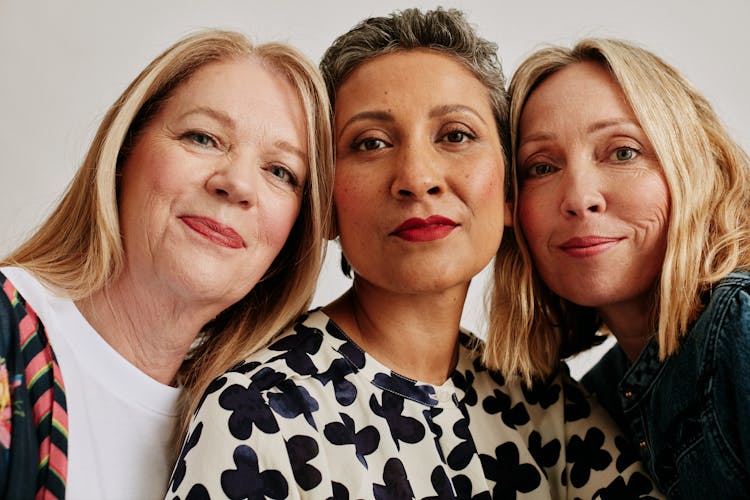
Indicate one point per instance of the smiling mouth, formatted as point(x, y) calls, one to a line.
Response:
point(588, 246)
point(214, 231)
point(434, 227)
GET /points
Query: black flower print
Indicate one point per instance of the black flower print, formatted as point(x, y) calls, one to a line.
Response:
point(437, 432)
point(465, 382)
point(179, 471)
point(198, 492)
point(545, 455)
point(339, 492)
point(405, 387)
point(628, 456)
point(293, 400)
point(577, 406)
point(396, 485)
point(460, 456)
point(341, 433)
point(463, 489)
point(442, 485)
point(344, 391)
point(301, 450)
point(509, 474)
point(637, 487)
point(543, 394)
point(247, 481)
point(586, 455)
point(406, 429)
point(248, 410)
point(263, 418)
point(298, 349)
point(245, 367)
point(499, 402)
point(214, 386)
point(348, 349)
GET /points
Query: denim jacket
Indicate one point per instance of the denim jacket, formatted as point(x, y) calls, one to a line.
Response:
point(689, 416)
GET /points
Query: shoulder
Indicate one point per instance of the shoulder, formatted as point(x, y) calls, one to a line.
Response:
point(726, 316)
point(285, 366)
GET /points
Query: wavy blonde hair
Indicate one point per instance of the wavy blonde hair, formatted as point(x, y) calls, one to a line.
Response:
point(708, 176)
point(78, 249)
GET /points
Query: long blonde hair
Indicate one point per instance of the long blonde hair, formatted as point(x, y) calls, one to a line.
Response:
point(708, 176)
point(78, 249)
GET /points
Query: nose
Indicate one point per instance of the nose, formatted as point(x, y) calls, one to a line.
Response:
point(418, 173)
point(582, 193)
point(235, 181)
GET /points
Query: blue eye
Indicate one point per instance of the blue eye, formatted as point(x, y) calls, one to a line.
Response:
point(624, 154)
point(284, 174)
point(201, 139)
point(541, 169)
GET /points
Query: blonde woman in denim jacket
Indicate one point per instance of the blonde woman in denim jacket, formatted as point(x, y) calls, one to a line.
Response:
point(631, 209)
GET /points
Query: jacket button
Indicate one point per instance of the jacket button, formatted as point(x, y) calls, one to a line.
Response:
point(628, 394)
point(642, 444)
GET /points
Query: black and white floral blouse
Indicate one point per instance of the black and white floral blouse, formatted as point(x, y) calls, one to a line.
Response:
point(313, 416)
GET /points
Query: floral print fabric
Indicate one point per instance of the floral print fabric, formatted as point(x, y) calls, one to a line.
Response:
point(313, 416)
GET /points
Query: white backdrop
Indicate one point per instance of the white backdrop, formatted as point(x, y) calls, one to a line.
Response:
point(64, 62)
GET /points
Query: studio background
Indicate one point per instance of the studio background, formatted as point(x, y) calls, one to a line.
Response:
point(63, 63)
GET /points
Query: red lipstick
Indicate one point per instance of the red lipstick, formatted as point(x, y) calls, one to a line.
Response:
point(588, 246)
point(214, 231)
point(432, 228)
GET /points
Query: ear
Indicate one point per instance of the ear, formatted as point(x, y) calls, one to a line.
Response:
point(508, 214)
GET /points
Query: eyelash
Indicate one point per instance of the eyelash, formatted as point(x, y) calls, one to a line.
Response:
point(466, 135)
point(360, 145)
point(635, 152)
point(292, 179)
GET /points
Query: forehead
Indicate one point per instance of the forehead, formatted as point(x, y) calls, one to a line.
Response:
point(580, 83)
point(413, 78)
point(579, 93)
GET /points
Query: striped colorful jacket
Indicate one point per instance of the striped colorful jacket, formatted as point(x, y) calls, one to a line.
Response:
point(33, 409)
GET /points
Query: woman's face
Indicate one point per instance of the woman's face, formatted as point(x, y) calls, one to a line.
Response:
point(213, 185)
point(593, 204)
point(419, 172)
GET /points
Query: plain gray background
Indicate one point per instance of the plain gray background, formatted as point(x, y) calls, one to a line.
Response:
point(64, 62)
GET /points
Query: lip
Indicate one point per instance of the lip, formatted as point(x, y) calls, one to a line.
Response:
point(214, 231)
point(588, 246)
point(434, 227)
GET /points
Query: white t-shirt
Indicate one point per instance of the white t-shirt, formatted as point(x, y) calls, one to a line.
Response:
point(120, 419)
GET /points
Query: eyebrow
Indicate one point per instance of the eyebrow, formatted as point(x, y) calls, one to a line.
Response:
point(227, 121)
point(604, 124)
point(219, 116)
point(381, 116)
point(290, 148)
point(595, 127)
point(384, 116)
point(454, 108)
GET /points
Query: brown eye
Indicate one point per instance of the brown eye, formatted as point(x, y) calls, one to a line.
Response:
point(458, 136)
point(370, 144)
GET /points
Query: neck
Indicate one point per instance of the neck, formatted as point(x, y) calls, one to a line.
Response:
point(151, 332)
point(415, 335)
point(631, 325)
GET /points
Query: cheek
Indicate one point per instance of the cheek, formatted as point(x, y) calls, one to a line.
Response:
point(349, 199)
point(279, 218)
point(530, 221)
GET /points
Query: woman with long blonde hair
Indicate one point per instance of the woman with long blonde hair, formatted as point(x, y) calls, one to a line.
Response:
point(632, 215)
point(194, 228)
